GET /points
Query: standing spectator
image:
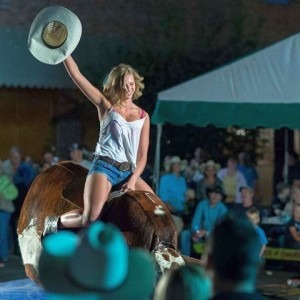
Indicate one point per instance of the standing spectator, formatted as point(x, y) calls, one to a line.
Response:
point(293, 167)
point(210, 179)
point(294, 200)
point(200, 157)
point(293, 229)
point(233, 180)
point(172, 191)
point(22, 175)
point(76, 154)
point(8, 193)
point(207, 213)
point(254, 216)
point(248, 170)
point(232, 258)
point(282, 197)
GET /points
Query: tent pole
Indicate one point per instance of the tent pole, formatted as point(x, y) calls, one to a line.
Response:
point(157, 159)
point(285, 168)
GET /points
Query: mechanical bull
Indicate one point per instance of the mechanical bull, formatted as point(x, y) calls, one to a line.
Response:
point(141, 216)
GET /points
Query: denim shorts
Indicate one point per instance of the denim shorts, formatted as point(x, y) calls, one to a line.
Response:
point(112, 173)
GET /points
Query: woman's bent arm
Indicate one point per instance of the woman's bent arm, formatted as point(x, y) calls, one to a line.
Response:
point(141, 155)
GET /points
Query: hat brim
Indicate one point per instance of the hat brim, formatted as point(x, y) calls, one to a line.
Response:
point(245, 188)
point(38, 47)
point(204, 166)
point(57, 280)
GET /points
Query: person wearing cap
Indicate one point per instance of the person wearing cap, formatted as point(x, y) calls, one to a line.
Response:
point(172, 191)
point(247, 194)
point(207, 213)
point(121, 150)
point(76, 154)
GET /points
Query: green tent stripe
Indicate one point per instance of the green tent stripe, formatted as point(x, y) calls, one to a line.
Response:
point(247, 115)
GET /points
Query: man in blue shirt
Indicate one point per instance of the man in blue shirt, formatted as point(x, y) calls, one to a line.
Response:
point(172, 191)
point(207, 213)
point(172, 188)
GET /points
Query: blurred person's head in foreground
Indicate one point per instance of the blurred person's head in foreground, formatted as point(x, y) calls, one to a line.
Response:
point(96, 264)
point(232, 255)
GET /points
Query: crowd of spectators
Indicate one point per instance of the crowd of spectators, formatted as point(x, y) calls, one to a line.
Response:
point(210, 203)
point(203, 191)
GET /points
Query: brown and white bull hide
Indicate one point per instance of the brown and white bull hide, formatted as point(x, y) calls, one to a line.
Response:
point(141, 216)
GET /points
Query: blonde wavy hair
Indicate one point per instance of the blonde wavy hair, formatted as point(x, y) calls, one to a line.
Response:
point(113, 85)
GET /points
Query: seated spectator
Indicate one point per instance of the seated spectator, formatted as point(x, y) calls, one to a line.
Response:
point(44, 166)
point(295, 199)
point(247, 200)
point(232, 259)
point(172, 191)
point(207, 213)
point(254, 216)
point(8, 193)
point(76, 154)
point(210, 179)
point(48, 157)
point(187, 282)
point(293, 167)
point(233, 180)
point(248, 170)
point(282, 197)
point(293, 229)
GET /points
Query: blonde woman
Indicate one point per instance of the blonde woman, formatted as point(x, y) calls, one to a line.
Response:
point(121, 151)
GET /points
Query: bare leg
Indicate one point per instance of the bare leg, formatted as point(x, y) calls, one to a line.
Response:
point(143, 186)
point(96, 190)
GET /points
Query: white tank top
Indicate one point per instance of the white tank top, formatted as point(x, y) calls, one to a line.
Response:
point(118, 138)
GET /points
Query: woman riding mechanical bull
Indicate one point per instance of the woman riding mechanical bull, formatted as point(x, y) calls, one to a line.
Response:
point(68, 196)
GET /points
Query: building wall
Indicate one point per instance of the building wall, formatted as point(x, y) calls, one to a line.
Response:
point(192, 19)
point(29, 119)
point(25, 120)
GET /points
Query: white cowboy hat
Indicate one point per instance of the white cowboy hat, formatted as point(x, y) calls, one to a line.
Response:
point(175, 160)
point(209, 164)
point(54, 34)
point(99, 265)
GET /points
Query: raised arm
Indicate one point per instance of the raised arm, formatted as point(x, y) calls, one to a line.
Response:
point(90, 91)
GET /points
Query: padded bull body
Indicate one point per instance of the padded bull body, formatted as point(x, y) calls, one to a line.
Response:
point(141, 216)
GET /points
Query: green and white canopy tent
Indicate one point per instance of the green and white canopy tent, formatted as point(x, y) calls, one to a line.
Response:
point(262, 89)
